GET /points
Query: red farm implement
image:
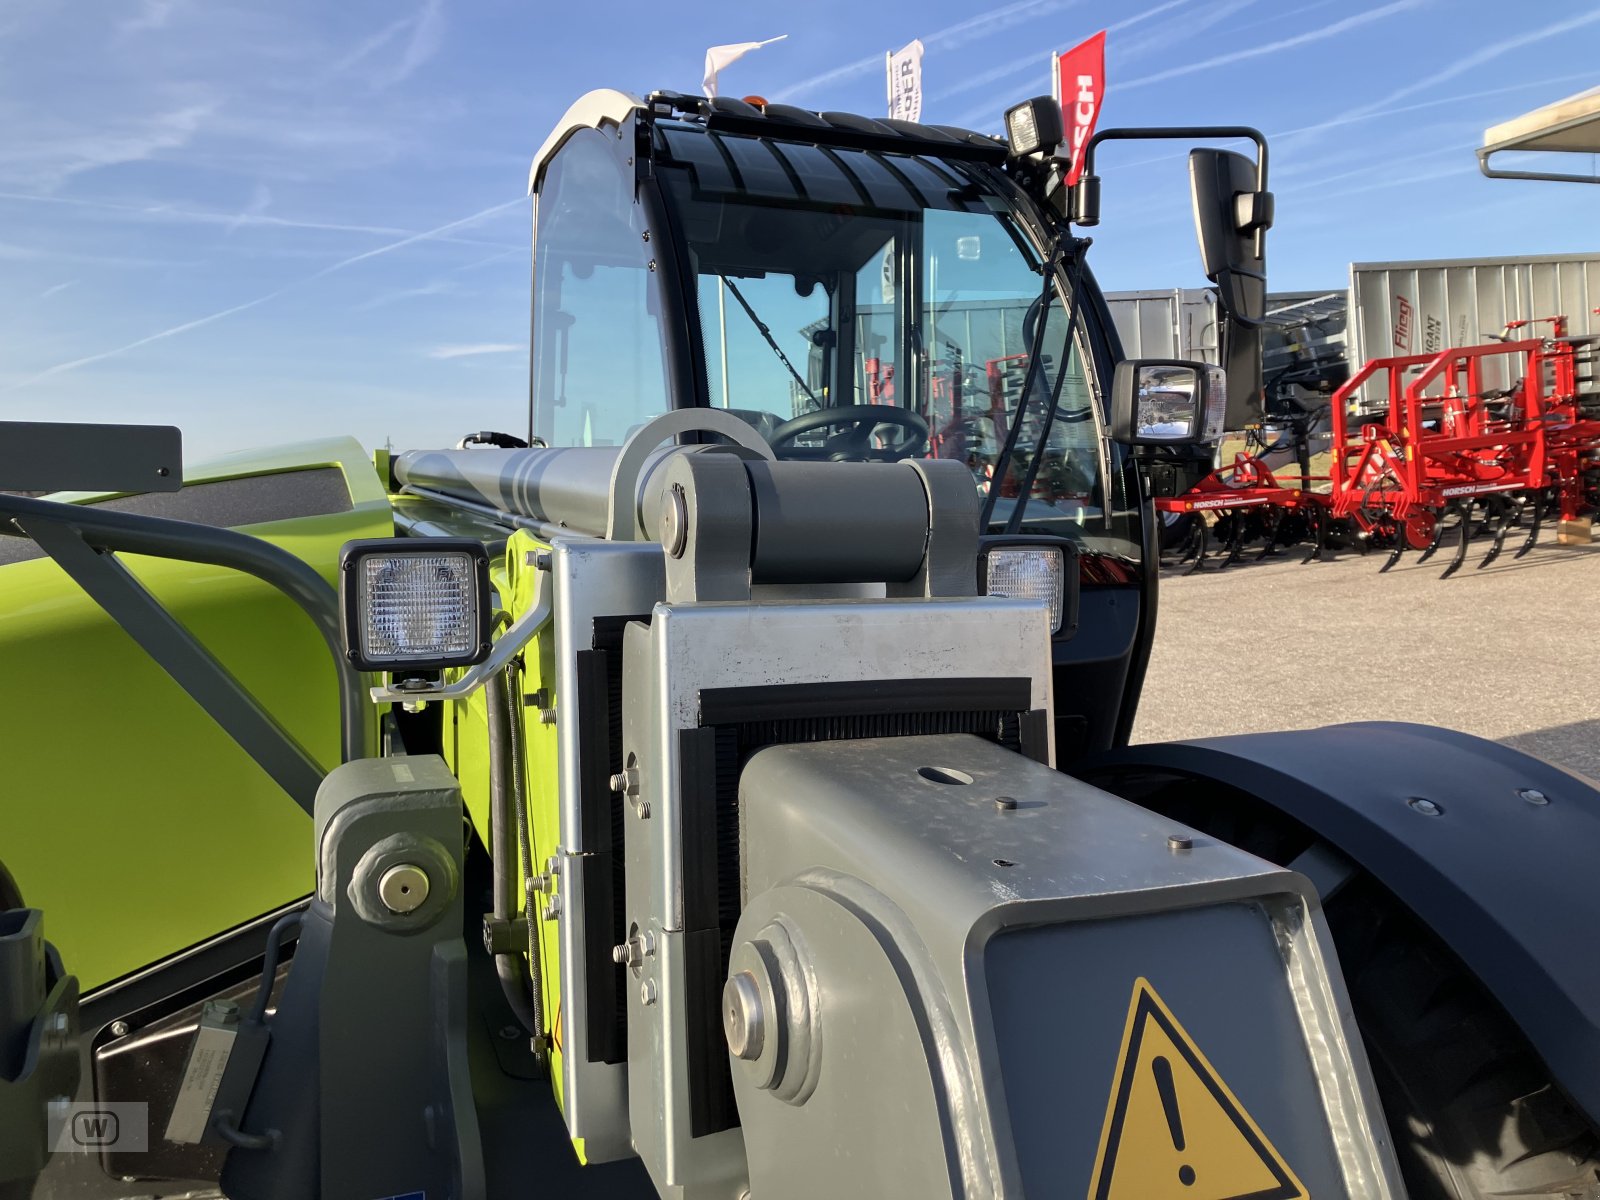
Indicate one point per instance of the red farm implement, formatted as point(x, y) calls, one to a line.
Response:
point(1470, 440)
point(1247, 500)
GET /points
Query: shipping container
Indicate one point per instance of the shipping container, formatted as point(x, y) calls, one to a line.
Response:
point(1424, 307)
point(1176, 323)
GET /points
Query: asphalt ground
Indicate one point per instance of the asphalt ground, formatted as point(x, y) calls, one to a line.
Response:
point(1506, 652)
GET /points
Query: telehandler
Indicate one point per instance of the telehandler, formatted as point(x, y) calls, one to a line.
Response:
point(721, 788)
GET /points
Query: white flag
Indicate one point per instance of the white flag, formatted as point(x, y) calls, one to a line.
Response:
point(905, 82)
point(725, 56)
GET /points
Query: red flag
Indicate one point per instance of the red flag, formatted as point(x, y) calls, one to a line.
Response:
point(1081, 88)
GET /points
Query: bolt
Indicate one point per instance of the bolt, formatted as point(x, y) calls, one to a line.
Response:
point(1179, 841)
point(1426, 807)
point(647, 992)
point(743, 1021)
point(547, 716)
point(1005, 803)
point(552, 908)
point(224, 1011)
point(1534, 796)
point(403, 888)
point(119, 1029)
point(626, 782)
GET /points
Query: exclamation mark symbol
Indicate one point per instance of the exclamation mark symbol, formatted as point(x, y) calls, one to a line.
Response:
point(1162, 1070)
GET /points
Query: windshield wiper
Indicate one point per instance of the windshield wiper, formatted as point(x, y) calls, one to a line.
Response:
point(771, 341)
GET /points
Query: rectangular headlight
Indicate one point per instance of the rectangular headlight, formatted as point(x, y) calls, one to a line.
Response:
point(1029, 572)
point(415, 604)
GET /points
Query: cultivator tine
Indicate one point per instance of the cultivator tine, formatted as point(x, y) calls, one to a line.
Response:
point(1438, 537)
point(1319, 536)
point(1394, 555)
point(1201, 539)
point(1272, 524)
point(1538, 505)
point(1463, 534)
point(1503, 512)
point(1236, 543)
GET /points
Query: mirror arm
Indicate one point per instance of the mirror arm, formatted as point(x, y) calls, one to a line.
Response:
point(1188, 133)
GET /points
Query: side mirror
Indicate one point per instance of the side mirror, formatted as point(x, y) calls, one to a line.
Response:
point(1231, 218)
point(1168, 402)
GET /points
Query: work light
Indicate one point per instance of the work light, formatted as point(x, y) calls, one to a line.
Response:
point(414, 604)
point(1034, 125)
point(1032, 568)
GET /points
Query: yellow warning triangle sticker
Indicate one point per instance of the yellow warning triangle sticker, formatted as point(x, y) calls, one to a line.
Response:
point(1173, 1129)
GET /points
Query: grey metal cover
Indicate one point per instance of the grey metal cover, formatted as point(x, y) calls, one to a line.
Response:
point(48, 456)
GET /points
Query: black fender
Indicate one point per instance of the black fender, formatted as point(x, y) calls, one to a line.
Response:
point(1511, 884)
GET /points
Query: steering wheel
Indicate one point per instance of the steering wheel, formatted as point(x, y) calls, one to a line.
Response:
point(863, 421)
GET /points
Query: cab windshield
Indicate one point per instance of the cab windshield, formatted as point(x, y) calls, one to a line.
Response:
point(893, 329)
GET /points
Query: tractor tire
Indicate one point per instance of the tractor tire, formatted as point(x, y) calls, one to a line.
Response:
point(1472, 1111)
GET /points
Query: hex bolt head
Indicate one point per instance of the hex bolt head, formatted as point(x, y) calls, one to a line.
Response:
point(647, 992)
point(1534, 796)
point(119, 1029)
point(552, 908)
point(1179, 841)
point(403, 888)
point(743, 1021)
point(1425, 806)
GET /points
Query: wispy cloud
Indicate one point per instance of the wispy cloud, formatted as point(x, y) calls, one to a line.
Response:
point(962, 33)
point(474, 349)
point(46, 153)
point(1037, 61)
point(1498, 47)
point(419, 35)
point(1170, 34)
point(1354, 21)
point(233, 310)
point(57, 289)
point(437, 287)
point(152, 14)
point(161, 211)
point(259, 201)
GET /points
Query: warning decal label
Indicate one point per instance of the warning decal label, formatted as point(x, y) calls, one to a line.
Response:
point(1173, 1129)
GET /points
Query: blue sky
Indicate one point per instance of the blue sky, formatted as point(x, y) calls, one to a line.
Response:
point(270, 221)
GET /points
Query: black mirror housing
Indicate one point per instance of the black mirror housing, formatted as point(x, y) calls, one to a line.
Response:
point(1231, 217)
point(1167, 402)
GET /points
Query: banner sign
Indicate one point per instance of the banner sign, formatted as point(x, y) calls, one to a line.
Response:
point(1080, 86)
point(905, 82)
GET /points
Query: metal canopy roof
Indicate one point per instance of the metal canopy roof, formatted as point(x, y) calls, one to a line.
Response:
point(1570, 126)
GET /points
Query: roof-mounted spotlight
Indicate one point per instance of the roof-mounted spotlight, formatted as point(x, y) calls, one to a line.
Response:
point(1034, 125)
